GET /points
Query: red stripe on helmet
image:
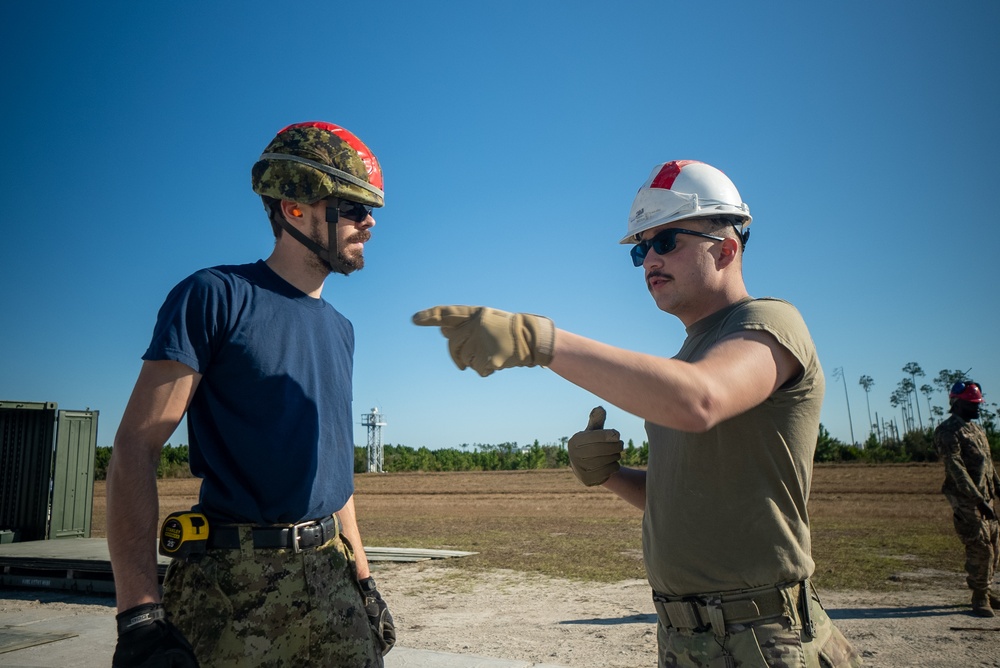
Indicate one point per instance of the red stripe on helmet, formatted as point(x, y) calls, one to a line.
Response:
point(371, 162)
point(322, 125)
point(668, 173)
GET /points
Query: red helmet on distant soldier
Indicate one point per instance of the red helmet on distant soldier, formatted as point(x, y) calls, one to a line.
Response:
point(966, 391)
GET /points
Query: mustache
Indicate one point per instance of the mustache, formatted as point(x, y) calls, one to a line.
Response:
point(361, 236)
point(657, 274)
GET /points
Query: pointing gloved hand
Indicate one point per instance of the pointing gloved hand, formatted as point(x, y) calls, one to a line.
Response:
point(987, 510)
point(146, 639)
point(378, 615)
point(487, 339)
point(594, 453)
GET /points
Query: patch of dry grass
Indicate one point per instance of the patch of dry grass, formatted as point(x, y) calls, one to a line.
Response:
point(871, 524)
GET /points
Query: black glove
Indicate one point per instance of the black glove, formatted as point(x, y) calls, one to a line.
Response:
point(378, 614)
point(987, 510)
point(147, 640)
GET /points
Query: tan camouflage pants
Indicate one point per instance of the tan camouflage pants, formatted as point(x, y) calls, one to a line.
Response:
point(778, 643)
point(981, 538)
point(272, 608)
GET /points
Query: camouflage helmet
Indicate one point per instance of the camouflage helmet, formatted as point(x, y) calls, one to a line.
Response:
point(308, 162)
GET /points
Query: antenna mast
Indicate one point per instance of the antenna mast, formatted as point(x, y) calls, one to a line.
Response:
point(374, 421)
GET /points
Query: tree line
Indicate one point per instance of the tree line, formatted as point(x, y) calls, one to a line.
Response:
point(173, 462)
point(914, 446)
point(911, 439)
point(401, 458)
point(905, 397)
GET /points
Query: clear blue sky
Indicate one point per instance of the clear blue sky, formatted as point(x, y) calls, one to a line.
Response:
point(513, 136)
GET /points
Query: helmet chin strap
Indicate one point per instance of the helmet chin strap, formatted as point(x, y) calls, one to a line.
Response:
point(332, 253)
point(332, 259)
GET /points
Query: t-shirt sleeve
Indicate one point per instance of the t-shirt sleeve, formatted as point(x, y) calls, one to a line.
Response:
point(779, 319)
point(189, 322)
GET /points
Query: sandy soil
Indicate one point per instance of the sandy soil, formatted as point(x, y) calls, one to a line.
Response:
point(511, 615)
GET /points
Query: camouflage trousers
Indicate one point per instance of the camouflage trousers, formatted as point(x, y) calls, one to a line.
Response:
point(272, 608)
point(981, 538)
point(776, 642)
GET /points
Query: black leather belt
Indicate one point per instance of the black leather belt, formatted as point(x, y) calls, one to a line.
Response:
point(295, 537)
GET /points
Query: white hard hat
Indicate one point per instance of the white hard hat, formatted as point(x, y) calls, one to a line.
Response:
point(684, 189)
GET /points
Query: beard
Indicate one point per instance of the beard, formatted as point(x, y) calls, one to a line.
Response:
point(340, 262)
point(968, 411)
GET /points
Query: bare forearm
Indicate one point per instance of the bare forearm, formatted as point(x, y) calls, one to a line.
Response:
point(133, 515)
point(349, 522)
point(661, 390)
point(159, 400)
point(630, 485)
point(734, 375)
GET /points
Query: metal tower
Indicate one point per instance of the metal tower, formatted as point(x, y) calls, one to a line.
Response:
point(374, 421)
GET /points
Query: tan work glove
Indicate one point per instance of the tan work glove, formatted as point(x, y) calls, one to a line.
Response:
point(487, 339)
point(594, 453)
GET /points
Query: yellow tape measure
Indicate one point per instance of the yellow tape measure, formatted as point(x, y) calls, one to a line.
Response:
point(183, 534)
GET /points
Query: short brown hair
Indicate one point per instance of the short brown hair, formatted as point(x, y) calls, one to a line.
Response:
point(273, 208)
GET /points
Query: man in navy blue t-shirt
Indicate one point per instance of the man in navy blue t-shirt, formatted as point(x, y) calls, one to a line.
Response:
point(262, 367)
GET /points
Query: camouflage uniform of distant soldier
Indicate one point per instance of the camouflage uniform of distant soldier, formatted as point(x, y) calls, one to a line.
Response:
point(971, 486)
point(261, 366)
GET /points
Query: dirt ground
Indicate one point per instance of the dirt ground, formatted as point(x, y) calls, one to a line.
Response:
point(533, 618)
point(512, 615)
point(470, 606)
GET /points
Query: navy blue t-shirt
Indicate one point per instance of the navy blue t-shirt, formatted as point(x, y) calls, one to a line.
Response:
point(270, 424)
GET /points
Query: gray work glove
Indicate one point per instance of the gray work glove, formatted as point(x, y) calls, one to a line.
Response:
point(487, 339)
point(987, 510)
point(378, 615)
point(594, 453)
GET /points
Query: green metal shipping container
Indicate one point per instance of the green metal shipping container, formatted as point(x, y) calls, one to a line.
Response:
point(46, 471)
point(73, 474)
point(27, 433)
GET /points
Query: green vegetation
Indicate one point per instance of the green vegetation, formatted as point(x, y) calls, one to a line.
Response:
point(173, 462)
point(870, 553)
point(483, 457)
point(604, 549)
point(916, 445)
point(884, 443)
point(874, 527)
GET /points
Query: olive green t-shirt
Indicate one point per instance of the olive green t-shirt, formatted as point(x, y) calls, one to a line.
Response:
point(726, 509)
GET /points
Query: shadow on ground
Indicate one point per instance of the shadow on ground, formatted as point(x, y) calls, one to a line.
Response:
point(896, 613)
point(609, 621)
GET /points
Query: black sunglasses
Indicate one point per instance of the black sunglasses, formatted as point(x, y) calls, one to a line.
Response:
point(664, 242)
point(345, 208)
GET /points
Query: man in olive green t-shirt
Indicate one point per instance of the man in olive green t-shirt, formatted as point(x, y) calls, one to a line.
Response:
point(732, 422)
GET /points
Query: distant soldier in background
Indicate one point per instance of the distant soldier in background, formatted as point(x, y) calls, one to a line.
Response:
point(971, 485)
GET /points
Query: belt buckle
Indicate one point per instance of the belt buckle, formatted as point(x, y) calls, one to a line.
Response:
point(696, 605)
point(297, 535)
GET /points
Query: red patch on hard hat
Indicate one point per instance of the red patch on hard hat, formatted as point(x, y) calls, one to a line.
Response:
point(668, 173)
